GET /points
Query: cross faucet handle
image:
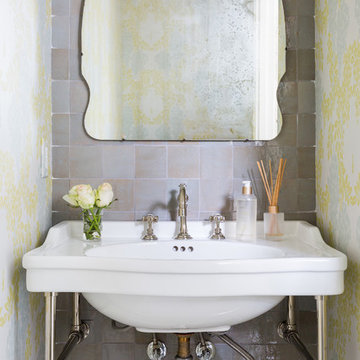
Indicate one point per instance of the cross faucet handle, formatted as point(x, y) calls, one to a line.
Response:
point(150, 219)
point(217, 219)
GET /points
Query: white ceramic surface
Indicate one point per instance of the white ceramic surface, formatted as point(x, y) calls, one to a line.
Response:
point(208, 285)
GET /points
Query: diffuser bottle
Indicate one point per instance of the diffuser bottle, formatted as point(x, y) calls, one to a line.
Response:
point(246, 210)
point(273, 220)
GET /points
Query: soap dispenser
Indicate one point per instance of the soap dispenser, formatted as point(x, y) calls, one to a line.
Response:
point(246, 211)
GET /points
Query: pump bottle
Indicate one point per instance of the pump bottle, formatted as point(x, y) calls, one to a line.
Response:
point(246, 210)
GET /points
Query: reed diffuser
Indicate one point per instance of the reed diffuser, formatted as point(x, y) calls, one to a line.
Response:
point(273, 219)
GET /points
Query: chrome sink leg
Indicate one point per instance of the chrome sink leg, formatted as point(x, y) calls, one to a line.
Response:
point(50, 309)
point(322, 331)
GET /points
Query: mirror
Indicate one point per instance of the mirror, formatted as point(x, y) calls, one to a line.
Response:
point(183, 69)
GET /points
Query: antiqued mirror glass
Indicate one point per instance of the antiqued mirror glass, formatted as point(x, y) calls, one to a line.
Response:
point(183, 69)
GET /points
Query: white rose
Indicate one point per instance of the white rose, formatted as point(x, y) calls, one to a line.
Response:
point(81, 195)
point(104, 195)
point(72, 196)
point(71, 200)
point(74, 190)
point(86, 196)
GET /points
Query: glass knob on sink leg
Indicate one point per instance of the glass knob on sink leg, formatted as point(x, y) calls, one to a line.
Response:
point(156, 350)
point(205, 351)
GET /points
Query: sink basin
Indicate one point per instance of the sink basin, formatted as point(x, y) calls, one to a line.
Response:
point(184, 285)
point(186, 250)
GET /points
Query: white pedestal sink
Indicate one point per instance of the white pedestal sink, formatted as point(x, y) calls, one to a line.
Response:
point(184, 285)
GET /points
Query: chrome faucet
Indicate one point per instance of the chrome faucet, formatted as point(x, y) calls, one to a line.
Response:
point(182, 211)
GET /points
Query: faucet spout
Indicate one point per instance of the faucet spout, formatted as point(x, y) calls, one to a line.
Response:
point(182, 213)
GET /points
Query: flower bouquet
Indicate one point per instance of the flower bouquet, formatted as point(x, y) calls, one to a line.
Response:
point(92, 202)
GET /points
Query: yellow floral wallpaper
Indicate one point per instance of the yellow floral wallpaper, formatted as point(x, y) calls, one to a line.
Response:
point(338, 159)
point(25, 197)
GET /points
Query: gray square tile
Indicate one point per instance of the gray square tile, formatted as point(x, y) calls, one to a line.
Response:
point(306, 97)
point(184, 161)
point(306, 162)
point(306, 64)
point(150, 161)
point(216, 195)
point(216, 161)
point(60, 64)
point(150, 195)
point(58, 217)
point(119, 161)
point(306, 130)
point(306, 32)
point(306, 195)
point(306, 7)
point(60, 162)
point(61, 32)
point(60, 7)
point(60, 188)
point(288, 196)
point(116, 351)
point(84, 162)
point(60, 129)
point(245, 158)
point(60, 96)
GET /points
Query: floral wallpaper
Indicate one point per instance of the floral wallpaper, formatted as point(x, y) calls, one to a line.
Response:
point(338, 161)
point(25, 197)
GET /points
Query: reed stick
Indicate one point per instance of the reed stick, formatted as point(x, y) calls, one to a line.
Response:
point(272, 190)
point(263, 179)
point(267, 183)
point(271, 179)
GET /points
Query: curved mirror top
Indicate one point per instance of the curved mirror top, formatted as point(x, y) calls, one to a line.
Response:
point(175, 70)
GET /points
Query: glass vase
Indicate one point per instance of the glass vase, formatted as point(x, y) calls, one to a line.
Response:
point(92, 224)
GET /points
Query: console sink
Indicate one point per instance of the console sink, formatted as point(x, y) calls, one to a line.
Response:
point(184, 285)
